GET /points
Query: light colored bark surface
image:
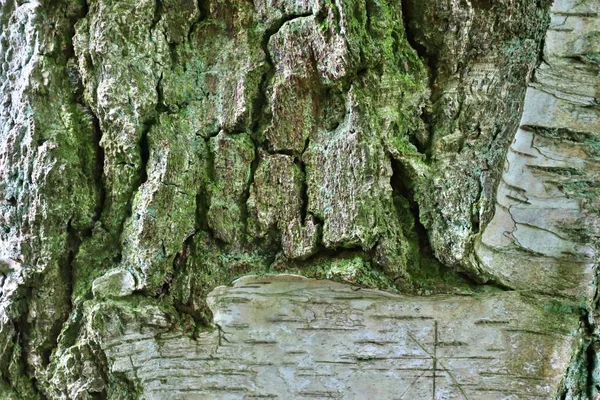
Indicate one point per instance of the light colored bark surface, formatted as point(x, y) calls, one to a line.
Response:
point(544, 234)
point(288, 337)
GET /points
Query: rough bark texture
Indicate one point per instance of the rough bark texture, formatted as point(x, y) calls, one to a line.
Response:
point(151, 151)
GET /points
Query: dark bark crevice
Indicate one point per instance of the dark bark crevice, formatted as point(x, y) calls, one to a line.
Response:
point(429, 56)
point(30, 387)
point(303, 191)
point(74, 240)
point(411, 35)
point(144, 147)
point(273, 29)
point(244, 213)
point(99, 169)
point(402, 186)
point(204, 14)
point(158, 14)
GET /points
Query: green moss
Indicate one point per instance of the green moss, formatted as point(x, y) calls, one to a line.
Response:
point(581, 188)
point(593, 148)
point(560, 307)
point(352, 269)
point(575, 384)
point(514, 47)
point(210, 263)
point(19, 379)
point(7, 391)
point(71, 328)
point(405, 149)
point(96, 255)
point(593, 57)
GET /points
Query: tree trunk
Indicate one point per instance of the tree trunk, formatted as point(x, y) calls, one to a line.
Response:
point(175, 175)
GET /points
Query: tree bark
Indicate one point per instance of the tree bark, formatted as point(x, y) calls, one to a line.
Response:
point(299, 199)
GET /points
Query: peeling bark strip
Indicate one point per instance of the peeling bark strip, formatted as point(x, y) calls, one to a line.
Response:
point(544, 234)
point(153, 150)
point(290, 337)
point(547, 201)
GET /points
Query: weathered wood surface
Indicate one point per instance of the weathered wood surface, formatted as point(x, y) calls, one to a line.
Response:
point(289, 337)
